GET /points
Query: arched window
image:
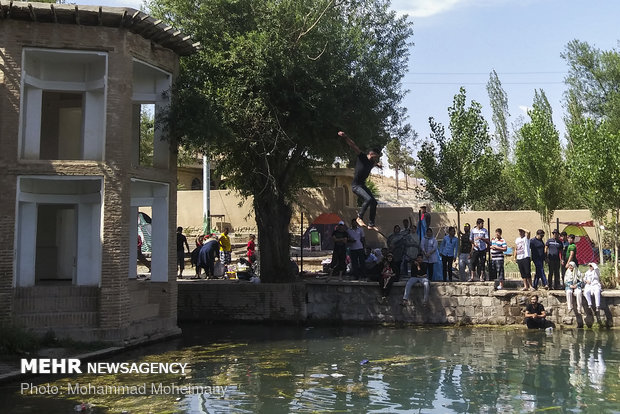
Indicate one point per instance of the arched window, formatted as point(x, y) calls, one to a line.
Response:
point(196, 184)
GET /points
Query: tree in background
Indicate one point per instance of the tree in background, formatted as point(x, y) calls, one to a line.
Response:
point(506, 196)
point(499, 106)
point(539, 167)
point(399, 157)
point(273, 83)
point(461, 169)
point(594, 81)
point(593, 125)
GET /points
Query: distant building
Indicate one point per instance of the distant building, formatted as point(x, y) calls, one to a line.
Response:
point(73, 82)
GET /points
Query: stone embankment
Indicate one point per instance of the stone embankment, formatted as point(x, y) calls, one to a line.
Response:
point(320, 301)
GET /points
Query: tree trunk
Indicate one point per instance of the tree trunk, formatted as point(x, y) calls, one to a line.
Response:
point(616, 219)
point(273, 216)
point(597, 231)
point(396, 170)
point(405, 173)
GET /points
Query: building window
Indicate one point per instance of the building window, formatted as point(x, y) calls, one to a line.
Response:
point(58, 233)
point(150, 99)
point(63, 104)
point(196, 184)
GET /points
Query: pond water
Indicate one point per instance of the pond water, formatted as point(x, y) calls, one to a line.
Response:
point(279, 369)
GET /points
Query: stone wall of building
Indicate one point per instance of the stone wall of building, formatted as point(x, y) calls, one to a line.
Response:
point(358, 302)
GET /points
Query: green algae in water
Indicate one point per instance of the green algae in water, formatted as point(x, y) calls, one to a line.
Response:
point(410, 369)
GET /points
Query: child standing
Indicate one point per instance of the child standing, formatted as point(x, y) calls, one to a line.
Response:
point(498, 247)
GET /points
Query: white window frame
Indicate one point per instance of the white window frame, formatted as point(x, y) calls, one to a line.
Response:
point(95, 107)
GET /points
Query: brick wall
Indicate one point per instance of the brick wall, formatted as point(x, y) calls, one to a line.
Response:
point(122, 47)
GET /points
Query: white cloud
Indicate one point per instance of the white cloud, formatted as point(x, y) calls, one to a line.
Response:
point(428, 8)
point(525, 109)
point(424, 8)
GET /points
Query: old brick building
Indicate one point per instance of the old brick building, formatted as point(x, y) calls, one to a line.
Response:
point(73, 82)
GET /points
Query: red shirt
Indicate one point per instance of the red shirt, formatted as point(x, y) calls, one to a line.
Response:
point(251, 248)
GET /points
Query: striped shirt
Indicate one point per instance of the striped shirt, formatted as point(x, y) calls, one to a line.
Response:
point(497, 254)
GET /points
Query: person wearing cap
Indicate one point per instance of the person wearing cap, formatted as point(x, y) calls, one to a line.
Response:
point(363, 165)
point(464, 253)
point(339, 255)
point(356, 243)
point(479, 238)
point(537, 249)
point(592, 286)
point(553, 250)
point(573, 285)
point(523, 256)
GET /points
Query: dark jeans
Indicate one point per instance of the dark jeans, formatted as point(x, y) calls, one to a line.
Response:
point(386, 288)
point(540, 273)
point(539, 323)
point(525, 267)
point(357, 263)
point(181, 259)
point(497, 270)
point(554, 273)
point(447, 267)
point(478, 261)
point(430, 268)
point(369, 201)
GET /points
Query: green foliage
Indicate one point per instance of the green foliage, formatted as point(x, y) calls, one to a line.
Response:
point(399, 157)
point(594, 164)
point(147, 136)
point(539, 168)
point(499, 105)
point(608, 281)
point(459, 170)
point(594, 81)
point(273, 83)
point(15, 340)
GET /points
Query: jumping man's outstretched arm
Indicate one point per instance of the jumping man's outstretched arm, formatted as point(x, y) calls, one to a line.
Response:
point(349, 141)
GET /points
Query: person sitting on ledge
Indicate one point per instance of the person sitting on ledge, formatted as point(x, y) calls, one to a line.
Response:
point(535, 315)
point(418, 276)
point(388, 277)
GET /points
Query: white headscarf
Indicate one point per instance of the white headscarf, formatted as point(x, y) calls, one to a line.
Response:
point(593, 275)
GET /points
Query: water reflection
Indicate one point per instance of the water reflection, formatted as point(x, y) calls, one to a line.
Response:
point(292, 369)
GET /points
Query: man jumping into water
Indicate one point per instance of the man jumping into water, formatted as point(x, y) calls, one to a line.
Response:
point(363, 166)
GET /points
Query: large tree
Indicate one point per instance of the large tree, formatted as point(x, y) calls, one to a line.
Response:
point(460, 169)
point(499, 104)
point(593, 124)
point(398, 151)
point(539, 167)
point(272, 84)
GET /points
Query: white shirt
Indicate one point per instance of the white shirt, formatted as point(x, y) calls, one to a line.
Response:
point(523, 247)
point(356, 235)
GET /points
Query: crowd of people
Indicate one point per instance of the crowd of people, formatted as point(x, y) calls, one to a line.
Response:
point(412, 252)
point(212, 254)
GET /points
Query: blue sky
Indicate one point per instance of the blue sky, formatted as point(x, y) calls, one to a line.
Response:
point(459, 42)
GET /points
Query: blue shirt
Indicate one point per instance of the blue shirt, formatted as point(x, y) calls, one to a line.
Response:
point(448, 246)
